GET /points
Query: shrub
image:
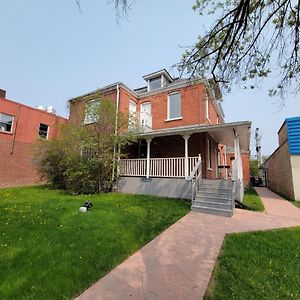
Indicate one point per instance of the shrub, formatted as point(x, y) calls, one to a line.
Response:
point(82, 159)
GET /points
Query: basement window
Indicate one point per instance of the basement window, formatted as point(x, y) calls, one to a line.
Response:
point(6, 123)
point(43, 131)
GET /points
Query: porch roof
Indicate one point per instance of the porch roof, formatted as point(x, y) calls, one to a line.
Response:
point(221, 133)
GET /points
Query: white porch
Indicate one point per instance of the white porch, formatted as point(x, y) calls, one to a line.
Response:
point(154, 175)
point(172, 167)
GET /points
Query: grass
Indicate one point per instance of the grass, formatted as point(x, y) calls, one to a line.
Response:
point(296, 203)
point(252, 200)
point(49, 250)
point(259, 265)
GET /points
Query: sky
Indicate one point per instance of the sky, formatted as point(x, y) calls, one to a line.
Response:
point(50, 52)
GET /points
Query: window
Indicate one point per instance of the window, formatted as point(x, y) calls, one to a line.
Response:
point(174, 106)
point(132, 114)
point(155, 83)
point(92, 111)
point(43, 131)
point(6, 122)
point(208, 154)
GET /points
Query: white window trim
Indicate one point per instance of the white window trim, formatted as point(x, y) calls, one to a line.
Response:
point(168, 108)
point(47, 130)
point(12, 123)
point(132, 102)
point(207, 108)
point(174, 119)
point(147, 102)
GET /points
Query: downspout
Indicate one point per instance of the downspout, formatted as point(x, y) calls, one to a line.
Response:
point(116, 131)
point(15, 131)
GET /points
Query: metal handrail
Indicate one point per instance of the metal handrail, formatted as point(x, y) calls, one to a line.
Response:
point(195, 178)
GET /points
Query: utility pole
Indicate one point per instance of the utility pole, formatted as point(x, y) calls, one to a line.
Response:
point(258, 146)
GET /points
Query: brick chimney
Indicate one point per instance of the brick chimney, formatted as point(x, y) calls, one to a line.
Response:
point(2, 93)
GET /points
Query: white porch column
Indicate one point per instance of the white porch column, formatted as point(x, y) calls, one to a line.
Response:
point(239, 167)
point(186, 155)
point(148, 158)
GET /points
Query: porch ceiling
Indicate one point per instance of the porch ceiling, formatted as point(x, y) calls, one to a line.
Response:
point(221, 133)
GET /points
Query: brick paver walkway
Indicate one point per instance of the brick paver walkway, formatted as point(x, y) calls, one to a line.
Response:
point(276, 205)
point(178, 263)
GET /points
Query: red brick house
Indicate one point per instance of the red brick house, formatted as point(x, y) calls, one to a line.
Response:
point(184, 137)
point(20, 127)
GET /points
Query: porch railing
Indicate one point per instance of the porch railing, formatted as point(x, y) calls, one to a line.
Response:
point(159, 167)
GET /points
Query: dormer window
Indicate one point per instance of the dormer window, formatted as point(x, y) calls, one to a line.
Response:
point(155, 83)
point(158, 80)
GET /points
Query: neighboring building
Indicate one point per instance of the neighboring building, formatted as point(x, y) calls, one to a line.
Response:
point(20, 127)
point(283, 166)
point(181, 119)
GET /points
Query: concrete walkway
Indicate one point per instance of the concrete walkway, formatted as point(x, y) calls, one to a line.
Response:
point(178, 263)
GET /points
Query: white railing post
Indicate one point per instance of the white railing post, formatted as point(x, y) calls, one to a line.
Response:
point(148, 158)
point(186, 155)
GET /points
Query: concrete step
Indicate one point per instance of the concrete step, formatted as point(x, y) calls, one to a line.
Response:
point(218, 205)
point(213, 199)
point(216, 186)
point(213, 211)
point(225, 193)
point(216, 182)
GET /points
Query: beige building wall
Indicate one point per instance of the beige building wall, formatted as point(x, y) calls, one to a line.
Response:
point(295, 163)
point(279, 178)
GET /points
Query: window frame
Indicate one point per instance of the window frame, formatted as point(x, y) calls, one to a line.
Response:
point(168, 107)
point(158, 79)
point(131, 114)
point(48, 129)
point(87, 103)
point(206, 104)
point(12, 123)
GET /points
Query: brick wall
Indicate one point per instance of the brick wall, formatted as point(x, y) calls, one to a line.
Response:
point(16, 165)
point(192, 106)
point(279, 174)
point(245, 163)
point(282, 134)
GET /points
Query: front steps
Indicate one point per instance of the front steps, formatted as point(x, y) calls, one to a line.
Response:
point(214, 197)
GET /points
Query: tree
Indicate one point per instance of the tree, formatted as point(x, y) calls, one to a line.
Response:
point(82, 159)
point(254, 167)
point(249, 41)
point(121, 6)
point(248, 38)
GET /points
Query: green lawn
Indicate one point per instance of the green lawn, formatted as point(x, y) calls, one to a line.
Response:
point(259, 265)
point(252, 200)
point(49, 250)
point(296, 203)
